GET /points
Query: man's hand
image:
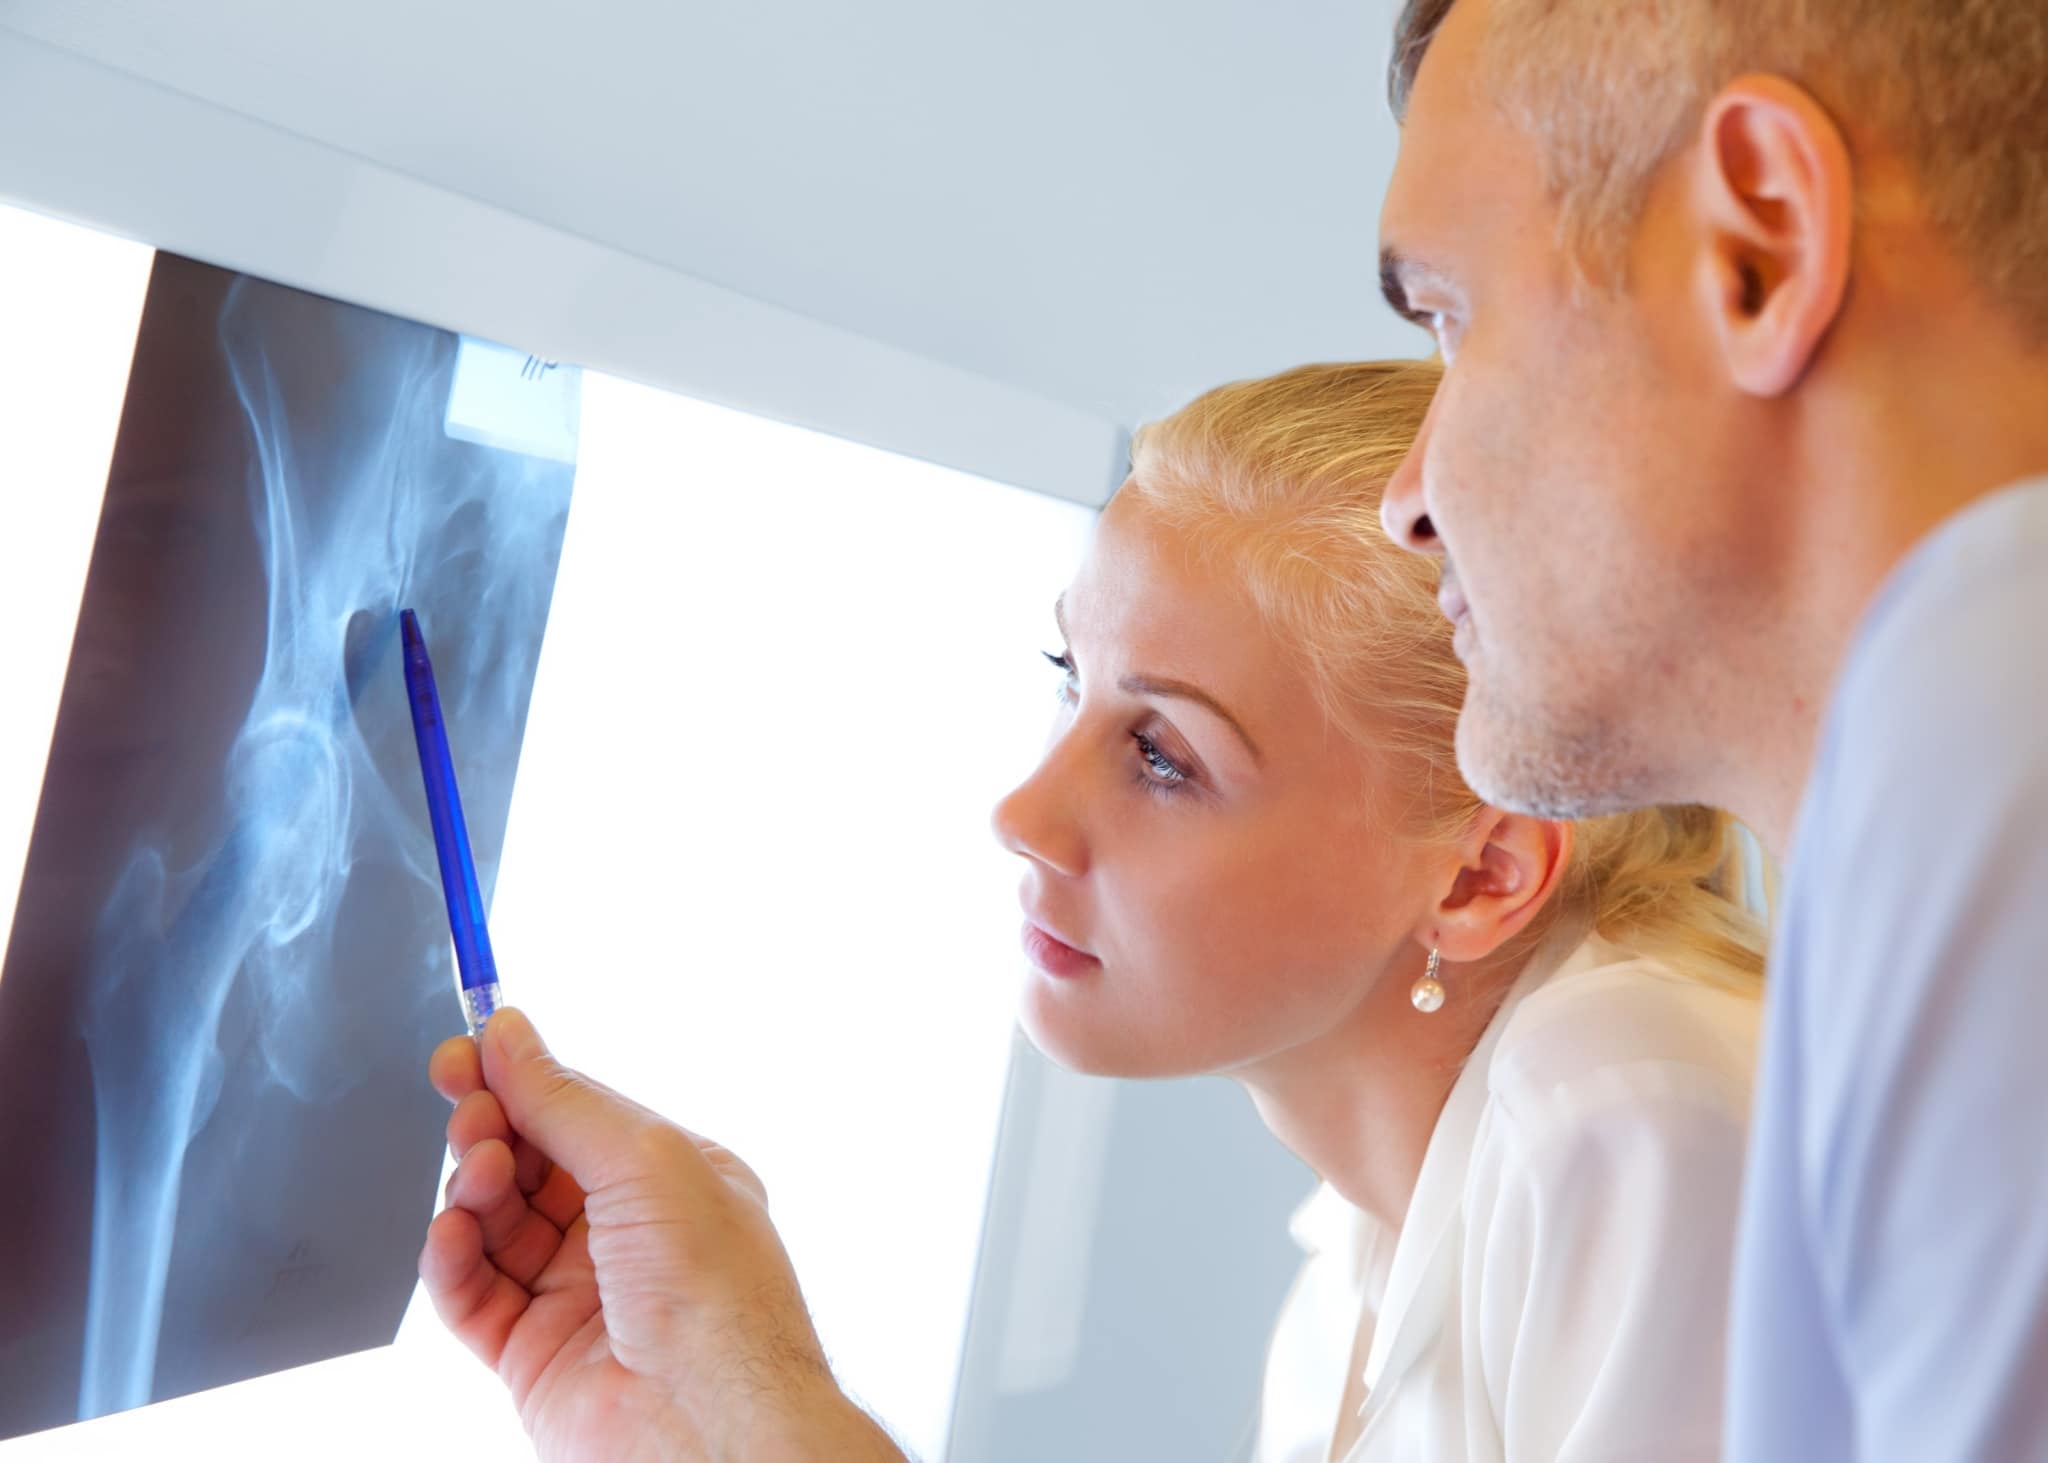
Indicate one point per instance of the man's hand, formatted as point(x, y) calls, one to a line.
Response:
point(621, 1275)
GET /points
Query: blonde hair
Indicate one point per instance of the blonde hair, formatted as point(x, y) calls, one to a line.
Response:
point(1611, 88)
point(1280, 479)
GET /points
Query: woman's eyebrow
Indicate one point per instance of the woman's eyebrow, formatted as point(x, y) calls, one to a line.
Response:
point(1184, 691)
point(1166, 686)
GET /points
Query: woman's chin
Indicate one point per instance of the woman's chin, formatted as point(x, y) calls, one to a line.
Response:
point(1093, 1042)
point(1066, 1037)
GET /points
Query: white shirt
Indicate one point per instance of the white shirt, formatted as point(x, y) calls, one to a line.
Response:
point(1559, 1288)
point(1892, 1296)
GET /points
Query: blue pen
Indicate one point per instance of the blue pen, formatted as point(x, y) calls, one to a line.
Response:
point(451, 835)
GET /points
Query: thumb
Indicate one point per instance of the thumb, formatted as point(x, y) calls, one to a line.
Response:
point(601, 1138)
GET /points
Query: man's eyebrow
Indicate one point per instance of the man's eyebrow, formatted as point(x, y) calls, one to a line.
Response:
point(1185, 691)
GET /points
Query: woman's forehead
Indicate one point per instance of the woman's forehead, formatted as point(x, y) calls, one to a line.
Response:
point(1149, 599)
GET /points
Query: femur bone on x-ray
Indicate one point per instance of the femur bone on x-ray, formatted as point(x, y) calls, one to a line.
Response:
point(230, 957)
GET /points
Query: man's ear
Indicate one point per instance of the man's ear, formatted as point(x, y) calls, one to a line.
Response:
point(1773, 192)
point(1508, 867)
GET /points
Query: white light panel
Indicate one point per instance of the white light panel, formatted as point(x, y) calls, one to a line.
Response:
point(747, 878)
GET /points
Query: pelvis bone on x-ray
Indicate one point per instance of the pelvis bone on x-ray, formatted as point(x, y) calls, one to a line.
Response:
point(230, 957)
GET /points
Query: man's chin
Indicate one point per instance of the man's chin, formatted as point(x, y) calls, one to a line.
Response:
point(1520, 765)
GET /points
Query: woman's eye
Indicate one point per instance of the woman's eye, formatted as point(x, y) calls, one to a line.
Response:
point(1160, 770)
point(1064, 664)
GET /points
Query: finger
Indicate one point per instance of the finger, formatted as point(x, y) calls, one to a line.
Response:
point(479, 1118)
point(559, 1196)
point(476, 1118)
point(564, 1301)
point(598, 1136)
point(455, 1068)
point(516, 1238)
point(534, 1166)
point(474, 1299)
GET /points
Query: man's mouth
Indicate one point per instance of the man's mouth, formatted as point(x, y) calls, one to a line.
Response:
point(1450, 598)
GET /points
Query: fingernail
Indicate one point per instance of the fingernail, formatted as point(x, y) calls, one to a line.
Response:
point(516, 1037)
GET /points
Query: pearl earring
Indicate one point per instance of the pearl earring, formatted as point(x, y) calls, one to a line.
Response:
point(1428, 993)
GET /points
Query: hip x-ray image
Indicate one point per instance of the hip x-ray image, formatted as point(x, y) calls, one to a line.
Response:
point(230, 956)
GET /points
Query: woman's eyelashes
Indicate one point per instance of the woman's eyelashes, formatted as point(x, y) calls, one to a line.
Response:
point(1064, 664)
point(1157, 771)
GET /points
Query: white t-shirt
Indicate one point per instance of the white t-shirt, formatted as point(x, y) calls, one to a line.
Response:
point(1559, 1289)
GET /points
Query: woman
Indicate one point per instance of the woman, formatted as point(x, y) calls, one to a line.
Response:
point(1516, 1051)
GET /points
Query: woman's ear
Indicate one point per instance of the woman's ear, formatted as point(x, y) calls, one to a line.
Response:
point(1508, 867)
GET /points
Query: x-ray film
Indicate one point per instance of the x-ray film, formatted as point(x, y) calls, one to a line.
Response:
point(230, 957)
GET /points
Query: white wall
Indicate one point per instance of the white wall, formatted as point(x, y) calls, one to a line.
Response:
point(153, 165)
point(1070, 215)
point(1132, 1267)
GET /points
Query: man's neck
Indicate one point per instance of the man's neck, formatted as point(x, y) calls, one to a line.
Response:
point(1886, 458)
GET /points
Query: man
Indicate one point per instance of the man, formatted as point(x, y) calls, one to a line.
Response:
point(1744, 310)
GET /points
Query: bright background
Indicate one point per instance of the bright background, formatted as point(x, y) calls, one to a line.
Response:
point(747, 877)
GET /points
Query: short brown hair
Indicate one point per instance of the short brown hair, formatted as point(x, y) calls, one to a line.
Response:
point(1417, 26)
point(1611, 88)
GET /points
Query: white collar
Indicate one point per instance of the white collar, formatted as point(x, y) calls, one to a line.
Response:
point(1424, 1263)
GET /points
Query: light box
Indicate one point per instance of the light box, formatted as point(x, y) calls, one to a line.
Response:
point(730, 701)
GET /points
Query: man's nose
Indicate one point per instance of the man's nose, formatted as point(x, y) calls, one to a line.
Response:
point(1402, 511)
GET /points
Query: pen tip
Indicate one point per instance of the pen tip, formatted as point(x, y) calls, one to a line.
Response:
point(409, 628)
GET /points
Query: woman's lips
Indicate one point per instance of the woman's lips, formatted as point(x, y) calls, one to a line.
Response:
point(1055, 956)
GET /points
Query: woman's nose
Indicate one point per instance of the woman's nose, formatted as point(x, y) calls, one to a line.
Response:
point(1039, 820)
